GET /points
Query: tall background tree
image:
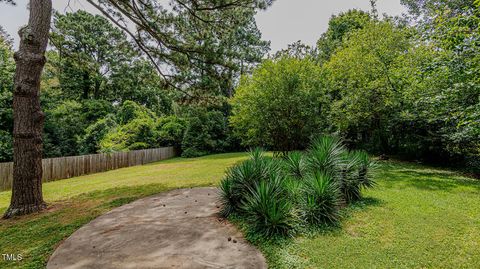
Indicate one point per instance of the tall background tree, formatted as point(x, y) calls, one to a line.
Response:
point(198, 47)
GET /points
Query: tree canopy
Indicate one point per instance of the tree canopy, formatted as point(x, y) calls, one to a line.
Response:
point(198, 47)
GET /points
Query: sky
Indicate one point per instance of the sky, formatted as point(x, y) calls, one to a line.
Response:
point(284, 23)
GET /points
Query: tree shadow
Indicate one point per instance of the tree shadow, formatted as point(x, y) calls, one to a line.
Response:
point(368, 202)
point(428, 180)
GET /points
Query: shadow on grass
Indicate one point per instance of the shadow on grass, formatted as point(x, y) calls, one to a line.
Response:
point(423, 178)
point(222, 156)
point(367, 202)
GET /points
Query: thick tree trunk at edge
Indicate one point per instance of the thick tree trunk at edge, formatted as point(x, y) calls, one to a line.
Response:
point(27, 115)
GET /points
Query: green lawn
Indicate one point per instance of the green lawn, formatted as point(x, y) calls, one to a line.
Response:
point(417, 217)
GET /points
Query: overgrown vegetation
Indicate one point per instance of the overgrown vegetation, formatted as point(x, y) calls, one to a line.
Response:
point(406, 86)
point(280, 197)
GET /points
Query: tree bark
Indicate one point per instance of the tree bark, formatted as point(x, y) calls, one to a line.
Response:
point(27, 115)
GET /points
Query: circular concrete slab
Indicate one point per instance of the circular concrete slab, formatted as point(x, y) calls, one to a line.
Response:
point(178, 229)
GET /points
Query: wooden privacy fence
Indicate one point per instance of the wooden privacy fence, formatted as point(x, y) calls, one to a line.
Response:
point(73, 166)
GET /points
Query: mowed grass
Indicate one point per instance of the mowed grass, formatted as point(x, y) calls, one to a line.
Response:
point(417, 216)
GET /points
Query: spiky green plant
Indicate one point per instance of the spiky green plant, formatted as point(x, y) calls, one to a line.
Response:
point(256, 154)
point(241, 178)
point(365, 166)
point(347, 179)
point(325, 155)
point(268, 209)
point(228, 199)
point(295, 164)
point(355, 175)
point(320, 200)
point(268, 195)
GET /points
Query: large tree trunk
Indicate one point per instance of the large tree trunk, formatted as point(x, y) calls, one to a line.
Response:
point(27, 114)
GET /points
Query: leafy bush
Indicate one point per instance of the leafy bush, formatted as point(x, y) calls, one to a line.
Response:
point(206, 132)
point(138, 130)
point(139, 145)
point(63, 126)
point(170, 131)
point(131, 110)
point(90, 142)
point(94, 110)
point(280, 106)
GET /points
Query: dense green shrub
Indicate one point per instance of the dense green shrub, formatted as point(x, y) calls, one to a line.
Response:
point(206, 132)
point(276, 196)
point(138, 130)
point(170, 131)
point(130, 111)
point(63, 127)
point(280, 106)
point(90, 142)
point(139, 145)
point(94, 110)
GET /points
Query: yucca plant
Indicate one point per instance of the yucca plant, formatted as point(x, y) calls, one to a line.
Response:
point(295, 164)
point(228, 199)
point(325, 155)
point(365, 166)
point(347, 178)
point(268, 209)
point(241, 178)
point(273, 195)
point(355, 175)
point(320, 200)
